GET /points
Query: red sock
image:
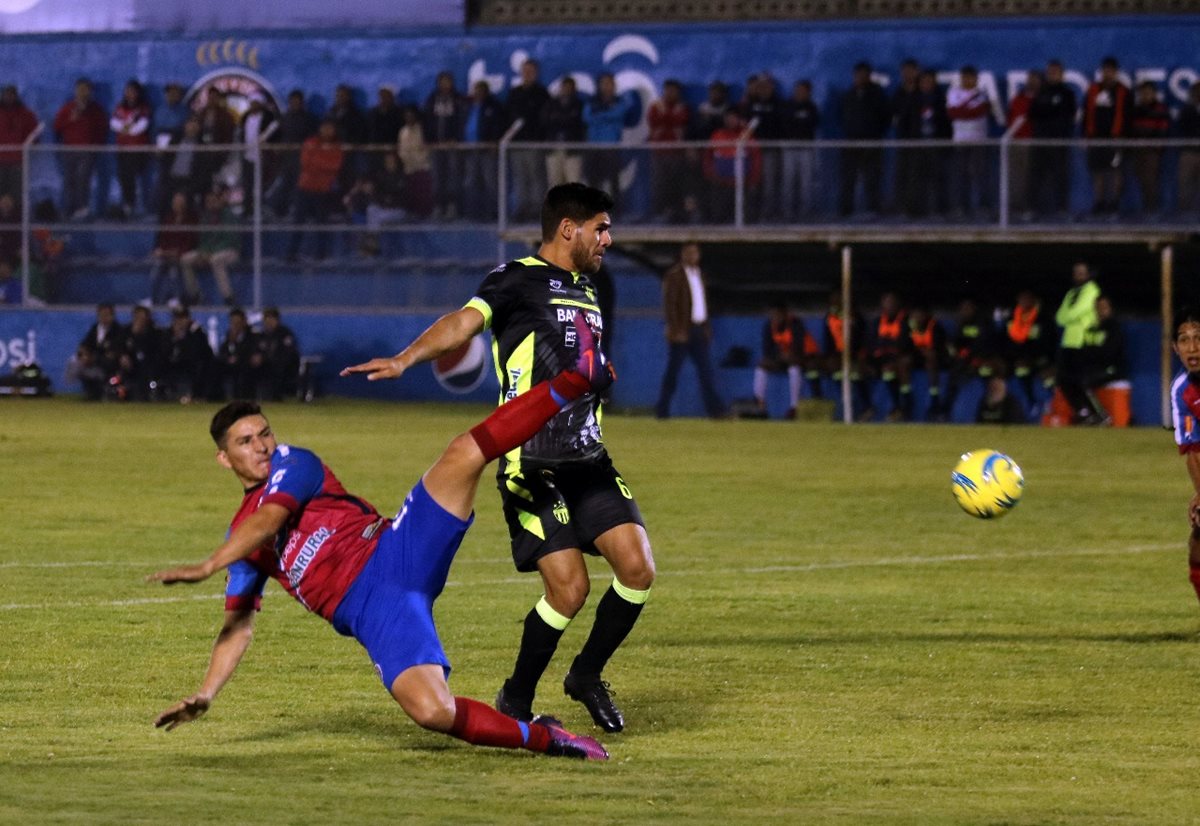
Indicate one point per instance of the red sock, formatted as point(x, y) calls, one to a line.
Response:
point(1194, 576)
point(482, 725)
point(514, 422)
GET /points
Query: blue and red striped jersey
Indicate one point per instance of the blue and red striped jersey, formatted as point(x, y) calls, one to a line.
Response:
point(323, 546)
point(1185, 411)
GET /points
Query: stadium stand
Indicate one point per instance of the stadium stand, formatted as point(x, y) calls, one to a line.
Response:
point(543, 12)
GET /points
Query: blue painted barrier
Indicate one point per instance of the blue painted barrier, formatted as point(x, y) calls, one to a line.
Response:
point(51, 336)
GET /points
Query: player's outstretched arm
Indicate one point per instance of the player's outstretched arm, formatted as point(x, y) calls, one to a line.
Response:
point(252, 532)
point(231, 644)
point(451, 331)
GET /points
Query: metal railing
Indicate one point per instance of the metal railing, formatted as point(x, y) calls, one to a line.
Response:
point(914, 189)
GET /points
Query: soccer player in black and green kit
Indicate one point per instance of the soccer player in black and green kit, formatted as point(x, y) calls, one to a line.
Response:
point(562, 497)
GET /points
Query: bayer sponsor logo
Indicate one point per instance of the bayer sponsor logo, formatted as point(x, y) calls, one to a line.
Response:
point(462, 370)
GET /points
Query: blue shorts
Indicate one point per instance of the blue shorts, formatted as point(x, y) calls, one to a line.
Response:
point(389, 606)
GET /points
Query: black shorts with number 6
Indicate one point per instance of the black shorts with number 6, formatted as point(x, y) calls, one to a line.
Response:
point(567, 506)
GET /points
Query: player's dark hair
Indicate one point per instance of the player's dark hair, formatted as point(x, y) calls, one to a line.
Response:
point(272, 312)
point(1188, 314)
point(576, 201)
point(227, 416)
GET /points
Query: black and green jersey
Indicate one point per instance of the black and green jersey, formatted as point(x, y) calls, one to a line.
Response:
point(530, 306)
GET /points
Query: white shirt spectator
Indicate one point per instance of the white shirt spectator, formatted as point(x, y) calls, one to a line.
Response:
point(699, 307)
point(968, 111)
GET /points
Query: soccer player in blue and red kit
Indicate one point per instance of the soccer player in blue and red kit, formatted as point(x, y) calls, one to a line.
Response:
point(372, 578)
point(1185, 413)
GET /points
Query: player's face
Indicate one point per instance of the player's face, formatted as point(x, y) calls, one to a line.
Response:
point(1187, 346)
point(592, 238)
point(249, 444)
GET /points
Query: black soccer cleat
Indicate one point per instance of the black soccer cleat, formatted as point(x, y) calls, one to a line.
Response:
point(565, 744)
point(596, 696)
point(519, 708)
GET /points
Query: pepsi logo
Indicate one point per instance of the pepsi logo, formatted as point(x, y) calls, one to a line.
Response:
point(462, 370)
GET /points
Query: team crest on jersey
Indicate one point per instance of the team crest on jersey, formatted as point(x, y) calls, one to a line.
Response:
point(556, 286)
point(462, 370)
point(561, 513)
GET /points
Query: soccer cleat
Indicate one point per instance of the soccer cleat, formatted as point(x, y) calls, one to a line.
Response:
point(565, 744)
point(519, 708)
point(596, 696)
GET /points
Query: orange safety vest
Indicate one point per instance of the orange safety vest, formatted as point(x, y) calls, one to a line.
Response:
point(890, 329)
point(810, 345)
point(834, 324)
point(783, 338)
point(1022, 323)
point(922, 340)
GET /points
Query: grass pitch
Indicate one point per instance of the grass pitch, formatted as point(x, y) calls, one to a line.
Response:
point(829, 639)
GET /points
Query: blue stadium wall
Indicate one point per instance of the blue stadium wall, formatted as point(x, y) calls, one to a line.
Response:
point(340, 338)
point(1158, 48)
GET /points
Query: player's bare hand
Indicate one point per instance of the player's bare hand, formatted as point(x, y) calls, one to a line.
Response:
point(1194, 511)
point(376, 369)
point(184, 573)
point(182, 712)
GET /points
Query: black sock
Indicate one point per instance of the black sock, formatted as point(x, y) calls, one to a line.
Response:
point(615, 617)
point(538, 643)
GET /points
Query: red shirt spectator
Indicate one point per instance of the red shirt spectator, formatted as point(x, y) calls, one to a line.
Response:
point(320, 161)
point(668, 116)
point(81, 121)
point(17, 123)
point(172, 243)
point(130, 124)
point(1018, 107)
point(720, 160)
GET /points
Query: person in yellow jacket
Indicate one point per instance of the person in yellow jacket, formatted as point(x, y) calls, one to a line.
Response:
point(1076, 315)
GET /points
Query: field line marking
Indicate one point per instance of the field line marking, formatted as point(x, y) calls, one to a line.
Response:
point(98, 563)
point(103, 563)
point(764, 569)
point(938, 560)
point(108, 603)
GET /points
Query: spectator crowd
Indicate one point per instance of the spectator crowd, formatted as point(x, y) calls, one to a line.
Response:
point(142, 361)
point(437, 160)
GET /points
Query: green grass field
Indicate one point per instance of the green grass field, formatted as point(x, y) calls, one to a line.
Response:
point(830, 639)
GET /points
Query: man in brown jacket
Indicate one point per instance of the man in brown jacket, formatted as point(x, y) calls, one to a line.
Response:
point(689, 332)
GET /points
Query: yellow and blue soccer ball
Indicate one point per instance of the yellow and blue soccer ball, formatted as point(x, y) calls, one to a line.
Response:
point(987, 484)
